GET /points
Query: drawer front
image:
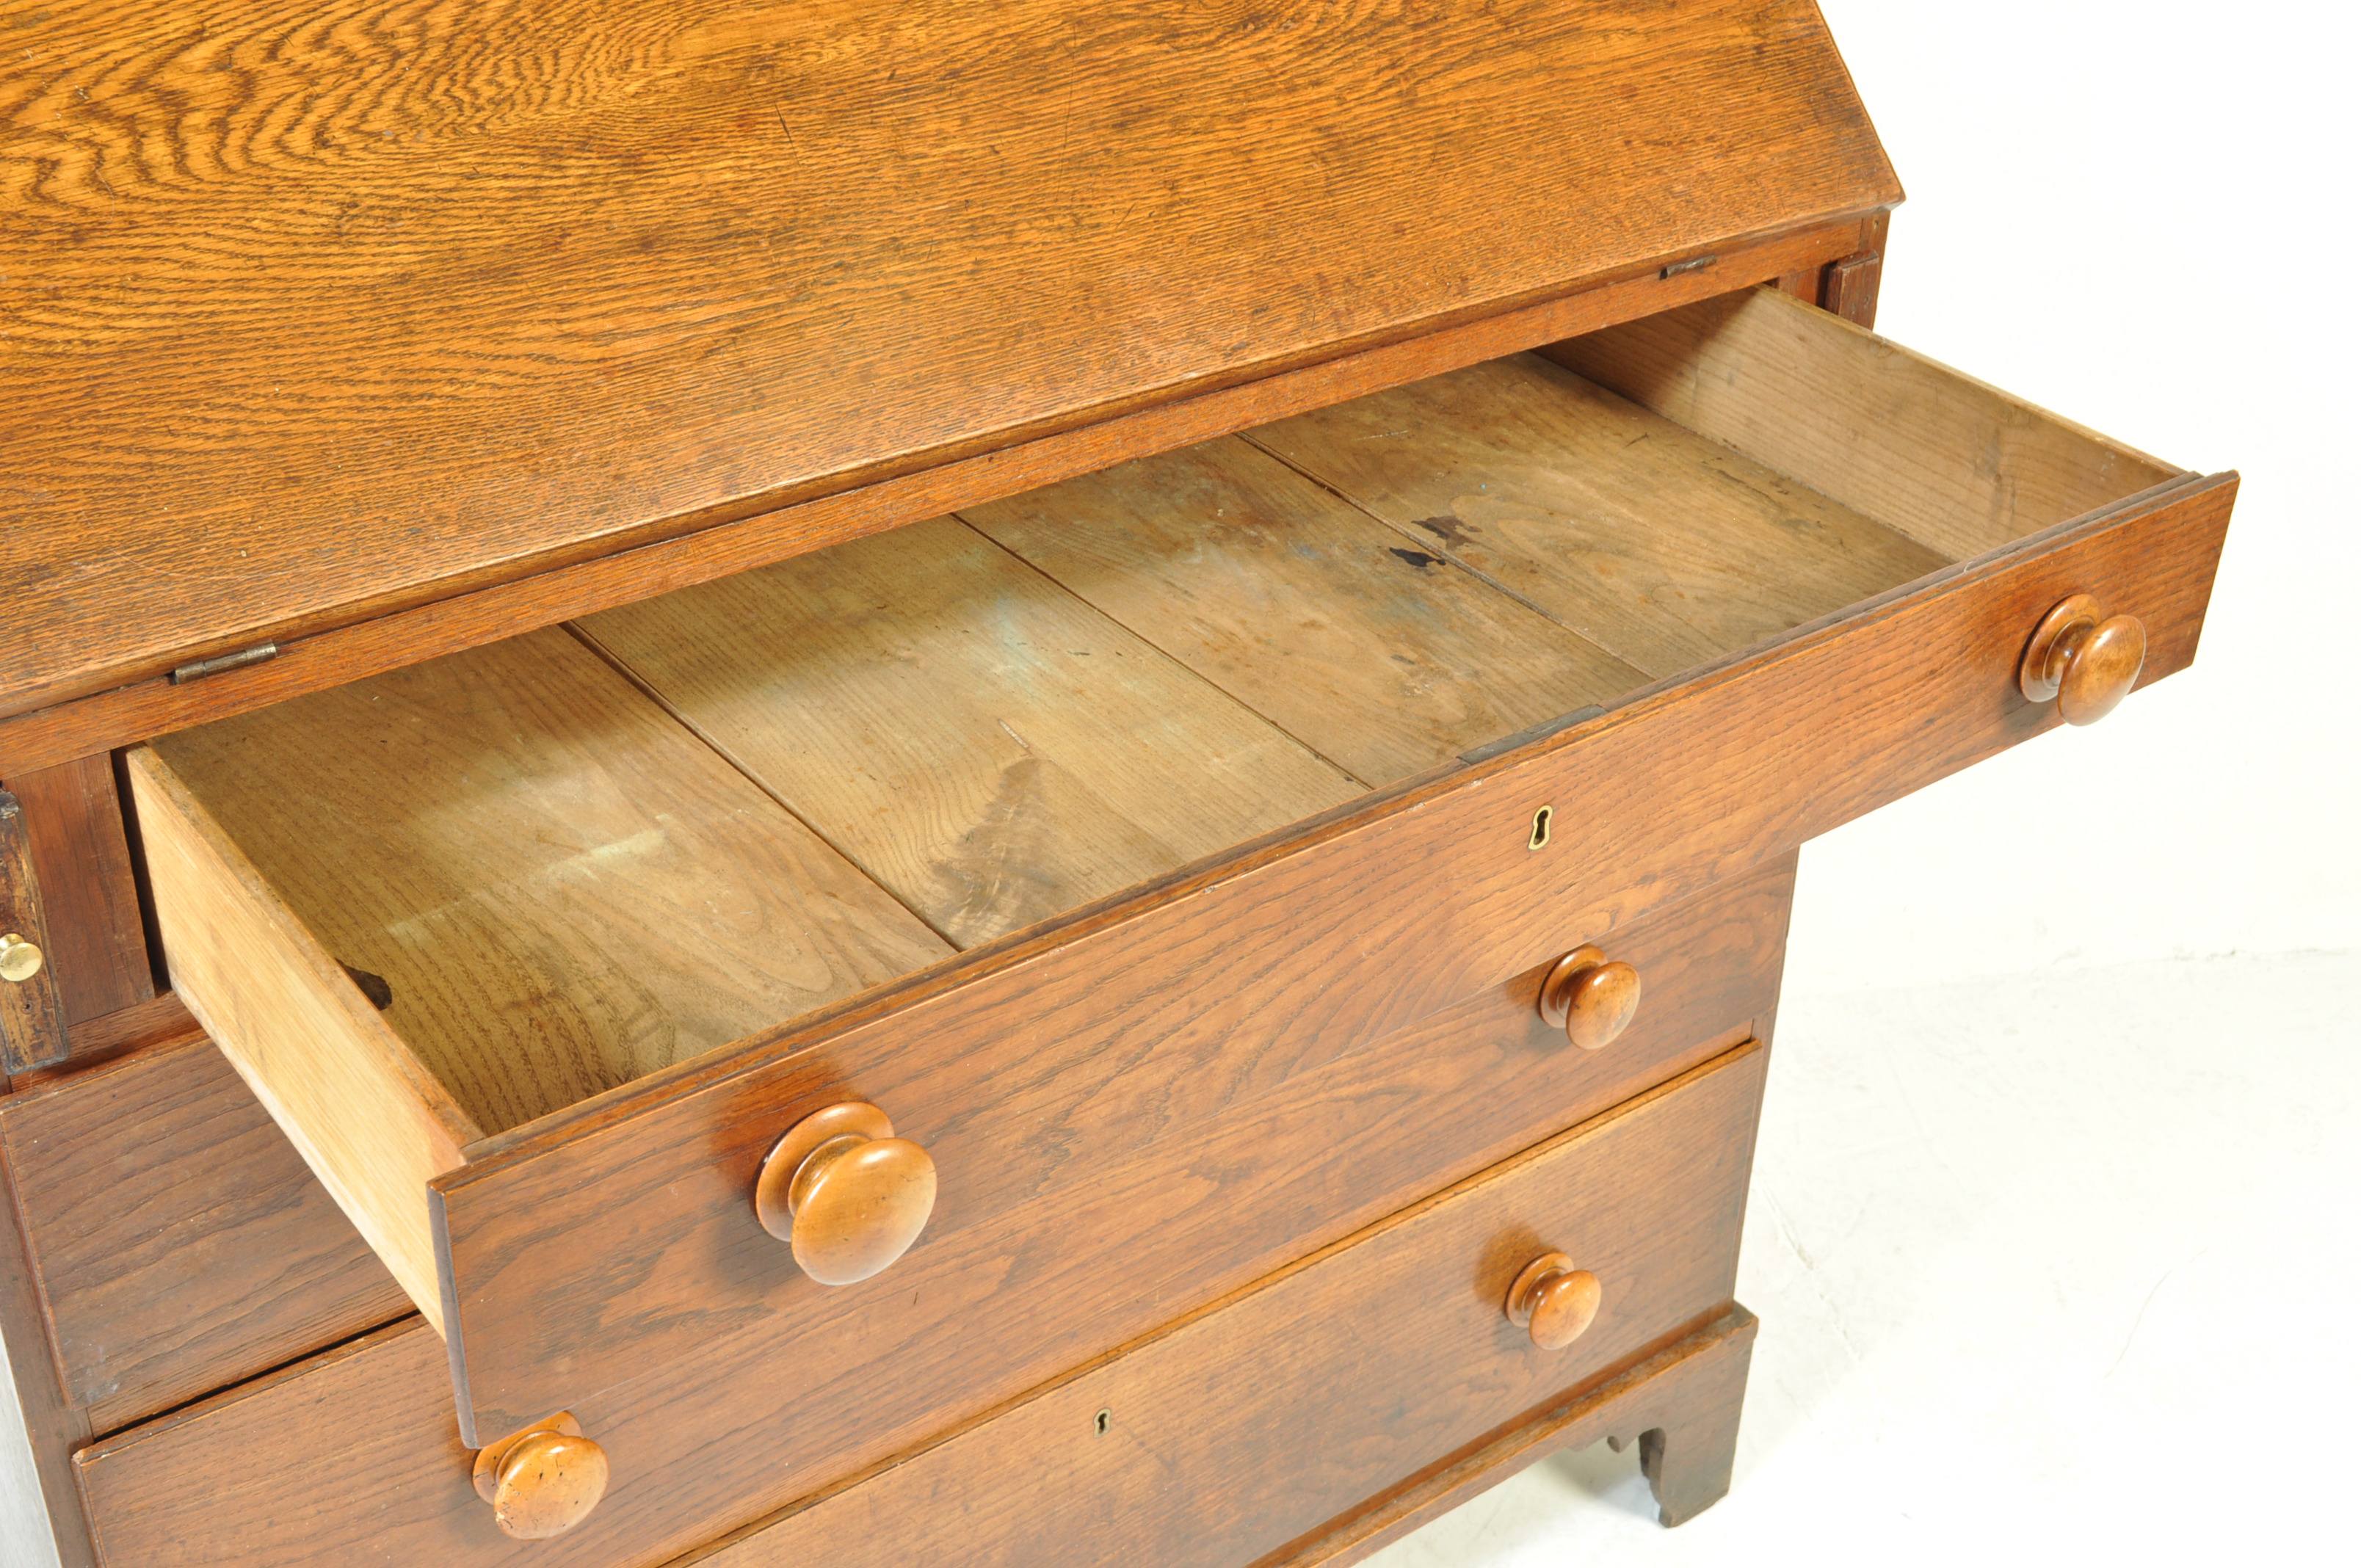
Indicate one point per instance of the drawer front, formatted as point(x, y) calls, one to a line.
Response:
point(1139, 1191)
point(179, 1243)
point(1232, 1434)
point(1027, 1068)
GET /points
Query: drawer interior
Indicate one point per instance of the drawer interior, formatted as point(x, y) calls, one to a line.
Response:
point(595, 850)
point(588, 852)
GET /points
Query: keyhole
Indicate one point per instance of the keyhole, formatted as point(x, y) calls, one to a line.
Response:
point(1100, 1422)
point(1540, 839)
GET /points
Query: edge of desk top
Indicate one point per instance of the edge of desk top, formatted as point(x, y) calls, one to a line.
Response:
point(306, 322)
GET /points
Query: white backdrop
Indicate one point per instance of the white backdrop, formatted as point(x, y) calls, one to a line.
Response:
point(2051, 1229)
point(2140, 215)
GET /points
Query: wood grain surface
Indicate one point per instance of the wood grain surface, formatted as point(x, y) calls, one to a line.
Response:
point(1272, 1406)
point(370, 1121)
point(73, 822)
point(1351, 927)
point(563, 888)
point(33, 1029)
point(1961, 467)
point(702, 1447)
point(54, 1426)
point(316, 314)
point(182, 1245)
point(1383, 658)
point(987, 747)
point(1660, 547)
point(1682, 1404)
point(1075, 1209)
point(349, 651)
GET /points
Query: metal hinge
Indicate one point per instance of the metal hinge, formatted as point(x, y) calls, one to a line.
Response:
point(215, 666)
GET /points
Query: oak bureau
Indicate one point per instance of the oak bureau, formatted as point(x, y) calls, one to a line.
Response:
point(943, 783)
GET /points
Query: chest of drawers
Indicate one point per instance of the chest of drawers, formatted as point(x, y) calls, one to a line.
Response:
point(1016, 784)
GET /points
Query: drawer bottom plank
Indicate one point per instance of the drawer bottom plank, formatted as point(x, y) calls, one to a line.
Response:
point(1320, 1413)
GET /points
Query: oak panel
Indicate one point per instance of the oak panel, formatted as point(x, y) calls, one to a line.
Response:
point(1380, 656)
point(96, 935)
point(1663, 547)
point(319, 313)
point(1310, 1394)
point(313, 662)
point(986, 746)
point(33, 1027)
point(53, 1426)
point(1350, 928)
point(372, 1123)
point(702, 1446)
point(565, 890)
point(181, 1242)
point(1962, 466)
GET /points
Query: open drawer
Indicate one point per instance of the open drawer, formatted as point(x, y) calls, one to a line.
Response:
point(1098, 813)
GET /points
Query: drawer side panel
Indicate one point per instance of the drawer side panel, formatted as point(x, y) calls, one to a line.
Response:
point(364, 1115)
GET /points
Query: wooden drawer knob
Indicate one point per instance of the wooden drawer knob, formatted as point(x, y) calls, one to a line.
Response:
point(845, 1193)
point(1554, 1300)
point(2084, 657)
point(1589, 998)
point(543, 1481)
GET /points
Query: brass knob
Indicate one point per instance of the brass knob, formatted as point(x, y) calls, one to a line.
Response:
point(845, 1193)
point(19, 959)
point(543, 1481)
point(2084, 657)
point(1554, 1300)
point(1589, 998)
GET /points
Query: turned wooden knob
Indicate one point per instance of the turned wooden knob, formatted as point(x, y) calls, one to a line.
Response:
point(1554, 1300)
point(543, 1480)
point(1589, 998)
point(845, 1193)
point(2084, 657)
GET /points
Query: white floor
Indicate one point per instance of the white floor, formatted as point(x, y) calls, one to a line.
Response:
point(2057, 1267)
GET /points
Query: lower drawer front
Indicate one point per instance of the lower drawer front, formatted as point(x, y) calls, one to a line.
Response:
point(1259, 1423)
point(1232, 1434)
point(179, 1243)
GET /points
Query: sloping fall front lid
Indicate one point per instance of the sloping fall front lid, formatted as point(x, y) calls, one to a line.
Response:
point(313, 312)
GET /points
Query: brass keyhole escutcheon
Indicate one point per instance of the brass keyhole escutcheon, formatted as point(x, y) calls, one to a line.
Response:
point(846, 1194)
point(19, 959)
point(1539, 837)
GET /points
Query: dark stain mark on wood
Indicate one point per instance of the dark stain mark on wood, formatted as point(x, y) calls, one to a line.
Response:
point(1447, 529)
point(1418, 558)
point(373, 986)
